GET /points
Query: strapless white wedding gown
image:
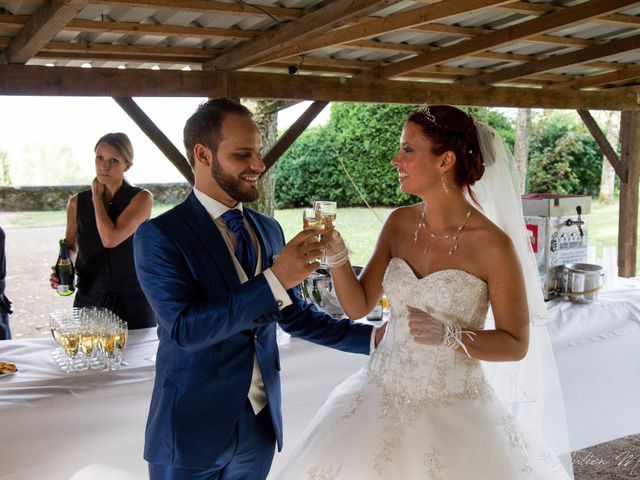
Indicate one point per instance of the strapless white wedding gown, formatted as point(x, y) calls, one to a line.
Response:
point(419, 412)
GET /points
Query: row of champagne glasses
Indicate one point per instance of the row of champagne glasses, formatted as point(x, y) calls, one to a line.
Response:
point(321, 217)
point(88, 338)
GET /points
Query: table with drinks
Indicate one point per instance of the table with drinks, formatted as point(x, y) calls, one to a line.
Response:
point(77, 406)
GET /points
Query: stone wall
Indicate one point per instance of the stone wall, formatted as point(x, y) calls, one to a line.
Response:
point(21, 199)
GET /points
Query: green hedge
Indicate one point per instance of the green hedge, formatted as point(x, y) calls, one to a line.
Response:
point(563, 156)
point(365, 137)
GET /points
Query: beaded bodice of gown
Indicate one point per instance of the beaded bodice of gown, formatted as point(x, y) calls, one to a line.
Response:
point(411, 373)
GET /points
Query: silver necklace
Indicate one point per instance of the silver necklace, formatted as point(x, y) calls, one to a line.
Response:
point(422, 223)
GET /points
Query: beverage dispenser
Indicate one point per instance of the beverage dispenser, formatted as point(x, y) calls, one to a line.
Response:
point(558, 233)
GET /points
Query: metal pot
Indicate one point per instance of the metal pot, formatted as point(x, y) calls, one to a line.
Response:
point(317, 288)
point(582, 281)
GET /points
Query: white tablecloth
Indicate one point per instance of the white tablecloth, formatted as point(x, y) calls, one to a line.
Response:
point(597, 348)
point(91, 426)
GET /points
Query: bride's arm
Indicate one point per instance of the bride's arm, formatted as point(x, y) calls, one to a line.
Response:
point(510, 338)
point(358, 296)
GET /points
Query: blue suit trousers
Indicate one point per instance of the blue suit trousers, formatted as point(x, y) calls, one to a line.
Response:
point(246, 456)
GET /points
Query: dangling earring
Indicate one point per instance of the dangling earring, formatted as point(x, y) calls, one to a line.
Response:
point(444, 184)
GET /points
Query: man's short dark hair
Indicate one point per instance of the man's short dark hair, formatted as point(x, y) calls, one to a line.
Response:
point(204, 125)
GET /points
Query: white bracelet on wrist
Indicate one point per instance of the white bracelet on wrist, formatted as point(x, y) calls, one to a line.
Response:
point(453, 337)
point(338, 259)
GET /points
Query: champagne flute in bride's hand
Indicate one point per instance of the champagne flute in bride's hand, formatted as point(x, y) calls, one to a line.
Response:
point(327, 212)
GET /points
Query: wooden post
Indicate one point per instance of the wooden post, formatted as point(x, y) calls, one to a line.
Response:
point(628, 215)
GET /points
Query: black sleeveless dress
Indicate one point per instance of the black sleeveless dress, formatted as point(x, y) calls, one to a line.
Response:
point(107, 276)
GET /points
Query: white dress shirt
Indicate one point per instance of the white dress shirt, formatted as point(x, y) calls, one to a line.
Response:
point(216, 209)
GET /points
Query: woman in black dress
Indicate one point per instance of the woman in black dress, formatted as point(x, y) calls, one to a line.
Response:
point(100, 227)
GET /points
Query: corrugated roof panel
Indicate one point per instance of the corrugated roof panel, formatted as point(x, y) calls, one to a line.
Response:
point(101, 37)
point(592, 30)
point(175, 17)
point(149, 40)
point(20, 8)
point(410, 37)
point(131, 14)
point(92, 12)
point(216, 20)
point(185, 42)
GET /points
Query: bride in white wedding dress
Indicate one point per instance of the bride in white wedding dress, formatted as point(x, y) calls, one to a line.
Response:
point(422, 408)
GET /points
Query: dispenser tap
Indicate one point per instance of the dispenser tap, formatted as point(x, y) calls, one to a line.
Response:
point(578, 222)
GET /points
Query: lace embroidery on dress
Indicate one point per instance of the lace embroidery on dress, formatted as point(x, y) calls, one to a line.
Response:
point(323, 473)
point(353, 406)
point(433, 464)
point(515, 440)
point(412, 377)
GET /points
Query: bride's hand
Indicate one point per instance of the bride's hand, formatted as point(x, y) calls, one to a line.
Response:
point(424, 328)
point(337, 252)
point(334, 243)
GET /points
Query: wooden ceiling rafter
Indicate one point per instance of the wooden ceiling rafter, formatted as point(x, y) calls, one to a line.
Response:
point(496, 38)
point(558, 61)
point(46, 22)
point(372, 27)
point(624, 74)
point(333, 15)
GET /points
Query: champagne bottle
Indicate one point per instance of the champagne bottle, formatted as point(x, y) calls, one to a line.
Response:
point(64, 271)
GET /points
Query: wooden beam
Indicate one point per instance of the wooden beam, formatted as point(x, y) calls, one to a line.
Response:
point(245, 9)
point(624, 74)
point(557, 61)
point(156, 135)
point(369, 28)
point(606, 148)
point(628, 213)
point(333, 15)
point(32, 80)
point(470, 32)
point(141, 29)
point(293, 132)
point(109, 82)
point(42, 26)
point(530, 8)
point(551, 21)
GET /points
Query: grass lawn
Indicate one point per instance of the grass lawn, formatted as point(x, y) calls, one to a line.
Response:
point(359, 226)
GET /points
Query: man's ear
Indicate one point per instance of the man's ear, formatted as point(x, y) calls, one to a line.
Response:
point(202, 154)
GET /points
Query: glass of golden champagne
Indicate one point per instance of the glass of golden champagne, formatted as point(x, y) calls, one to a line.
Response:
point(327, 211)
point(312, 220)
point(122, 334)
point(70, 341)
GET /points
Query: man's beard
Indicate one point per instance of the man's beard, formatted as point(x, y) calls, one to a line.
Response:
point(232, 185)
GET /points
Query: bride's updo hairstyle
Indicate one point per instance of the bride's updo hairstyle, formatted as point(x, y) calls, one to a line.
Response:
point(449, 128)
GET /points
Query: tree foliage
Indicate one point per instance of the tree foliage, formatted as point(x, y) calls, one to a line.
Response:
point(5, 177)
point(564, 158)
point(47, 164)
point(364, 138)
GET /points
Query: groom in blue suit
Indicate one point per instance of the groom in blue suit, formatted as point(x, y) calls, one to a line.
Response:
point(219, 276)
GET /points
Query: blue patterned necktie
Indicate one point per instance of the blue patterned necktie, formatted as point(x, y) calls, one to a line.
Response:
point(245, 253)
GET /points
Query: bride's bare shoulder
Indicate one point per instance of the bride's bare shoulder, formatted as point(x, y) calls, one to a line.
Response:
point(407, 213)
point(490, 236)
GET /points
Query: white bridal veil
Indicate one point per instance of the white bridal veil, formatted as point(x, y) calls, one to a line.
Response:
point(530, 387)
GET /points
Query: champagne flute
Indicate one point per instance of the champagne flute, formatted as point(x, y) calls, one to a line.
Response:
point(311, 219)
point(327, 211)
point(122, 334)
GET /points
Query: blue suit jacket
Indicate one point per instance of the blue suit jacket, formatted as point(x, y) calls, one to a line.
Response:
point(210, 326)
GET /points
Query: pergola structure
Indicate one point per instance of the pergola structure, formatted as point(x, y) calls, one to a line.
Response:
point(568, 54)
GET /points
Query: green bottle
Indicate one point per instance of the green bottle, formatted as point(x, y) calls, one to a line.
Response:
point(64, 271)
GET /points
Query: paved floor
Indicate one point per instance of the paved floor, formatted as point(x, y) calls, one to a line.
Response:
point(32, 251)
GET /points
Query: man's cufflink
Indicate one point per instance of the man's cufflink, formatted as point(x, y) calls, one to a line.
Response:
point(279, 303)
